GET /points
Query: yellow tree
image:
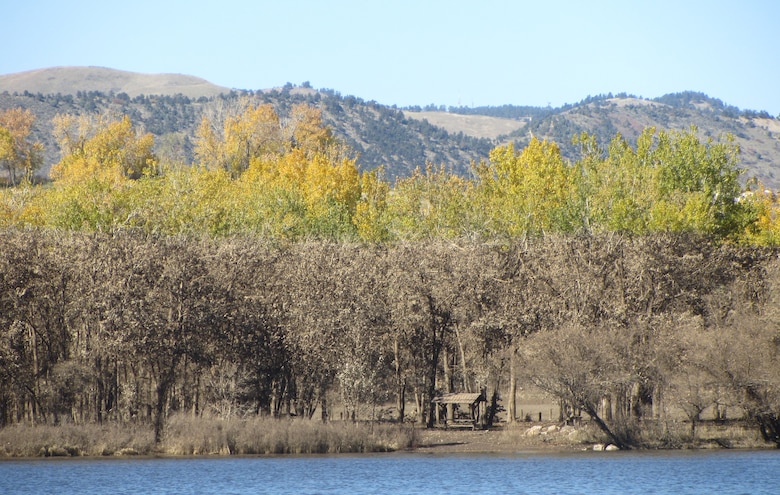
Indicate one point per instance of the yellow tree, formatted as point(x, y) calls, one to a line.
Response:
point(293, 177)
point(101, 159)
point(19, 156)
point(306, 192)
point(530, 192)
point(21, 206)
point(764, 204)
point(101, 147)
point(233, 138)
point(434, 204)
point(370, 217)
point(307, 131)
point(253, 133)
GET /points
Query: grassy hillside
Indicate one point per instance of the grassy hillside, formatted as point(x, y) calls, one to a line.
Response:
point(483, 126)
point(69, 80)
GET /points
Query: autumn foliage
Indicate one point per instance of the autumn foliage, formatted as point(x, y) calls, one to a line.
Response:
point(288, 177)
point(19, 156)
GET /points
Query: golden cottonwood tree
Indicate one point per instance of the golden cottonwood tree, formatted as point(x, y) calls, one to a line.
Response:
point(620, 189)
point(101, 158)
point(102, 148)
point(292, 177)
point(429, 205)
point(370, 217)
point(307, 131)
point(186, 200)
point(764, 204)
point(19, 156)
point(20, 206)
point(253, 133)
point(302, 191)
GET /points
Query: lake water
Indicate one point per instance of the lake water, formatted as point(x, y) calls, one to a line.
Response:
point(603, 473)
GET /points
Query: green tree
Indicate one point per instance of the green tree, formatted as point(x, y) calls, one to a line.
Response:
point(529, 192)
point(700, 180)
point(671, 181)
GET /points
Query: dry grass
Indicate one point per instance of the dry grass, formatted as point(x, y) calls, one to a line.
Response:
point(75, 440)
point(481, 126)
point(67, 80)
point(737, 435)
point(186, 435)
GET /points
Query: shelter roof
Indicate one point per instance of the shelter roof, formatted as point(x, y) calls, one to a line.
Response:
point(459, 398)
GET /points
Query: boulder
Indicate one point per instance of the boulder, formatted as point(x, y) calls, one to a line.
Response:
point(533, 431)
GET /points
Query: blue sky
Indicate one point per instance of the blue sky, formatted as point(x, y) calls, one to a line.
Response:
point(471, 53)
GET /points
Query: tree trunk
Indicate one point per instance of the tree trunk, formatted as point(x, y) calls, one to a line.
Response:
point(400, 383)
point(605, 428)
point(431, 391)
point(658, 408)
point(418, 398)
point(492, 409)
point(607, 406)
point(769, 424)
point(159, 409)
point(36, 378)
point(466, 383)
point(512, 406)
point(448, 388)
point(401, 401)
point(164, 383)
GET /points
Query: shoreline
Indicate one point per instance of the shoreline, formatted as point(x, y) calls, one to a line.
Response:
point(517, 439)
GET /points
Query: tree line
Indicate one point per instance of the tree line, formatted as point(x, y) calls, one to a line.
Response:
point(633, 331)
point(287, 176)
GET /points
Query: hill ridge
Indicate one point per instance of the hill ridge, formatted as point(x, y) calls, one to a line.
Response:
point(71, 79)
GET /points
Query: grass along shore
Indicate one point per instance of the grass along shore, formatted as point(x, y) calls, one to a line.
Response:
point(188, 436)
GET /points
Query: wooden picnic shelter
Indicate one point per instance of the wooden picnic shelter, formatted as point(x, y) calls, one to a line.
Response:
point(467, 409)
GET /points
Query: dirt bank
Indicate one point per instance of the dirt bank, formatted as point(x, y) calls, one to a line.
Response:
point(552, 437)
point(526, 437)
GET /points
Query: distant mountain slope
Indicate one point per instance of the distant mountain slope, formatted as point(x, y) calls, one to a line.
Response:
point(69, 80)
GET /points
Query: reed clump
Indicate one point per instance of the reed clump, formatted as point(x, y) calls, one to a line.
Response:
point(71, 440)
point(258, 435)
point(188, 435)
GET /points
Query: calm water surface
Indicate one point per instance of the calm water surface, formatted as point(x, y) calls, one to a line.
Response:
point(583, 473)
